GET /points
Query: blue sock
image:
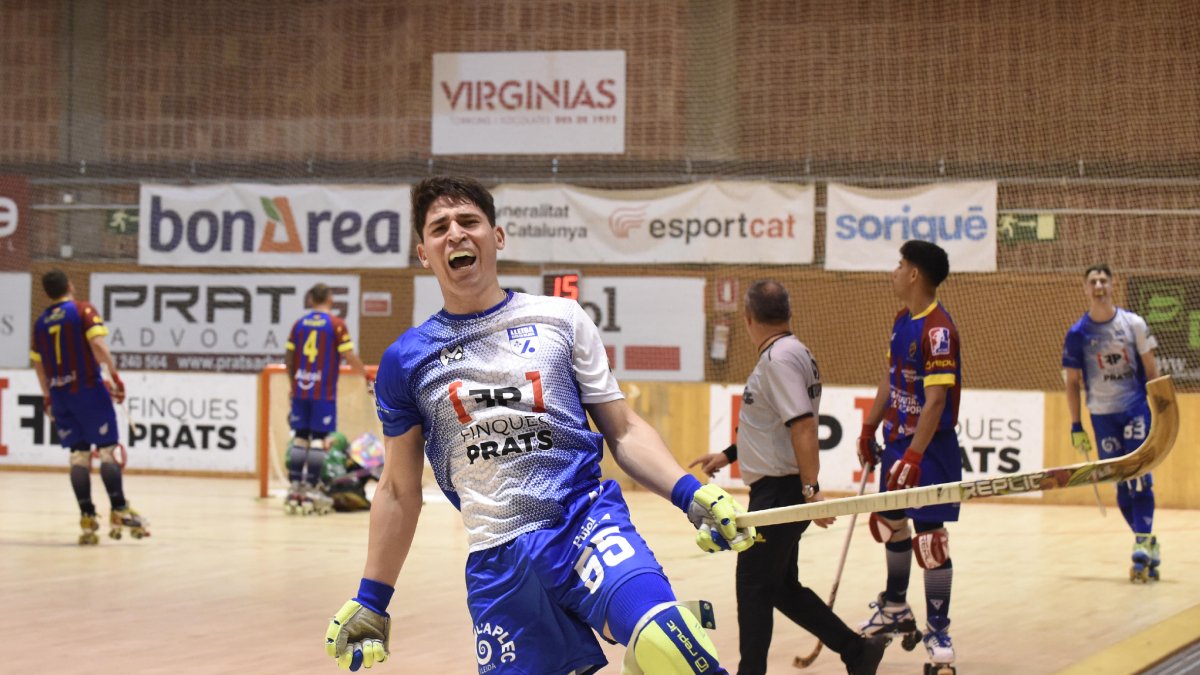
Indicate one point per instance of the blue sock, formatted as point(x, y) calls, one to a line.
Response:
point(899, 565)
point(632, 599)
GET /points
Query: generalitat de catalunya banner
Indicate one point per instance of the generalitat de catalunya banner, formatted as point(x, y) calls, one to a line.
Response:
point(725, 222)
point(250, 225)
point(864, 228)
point(525, 103)
point(170, 421)
point(210, 322)
point(1000, 432)
point(652, 327)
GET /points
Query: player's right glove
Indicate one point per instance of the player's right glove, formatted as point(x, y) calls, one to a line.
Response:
point(1079, 439)
point(358, 634)
point(868, 449)
point(116, 388)
point(714, 513)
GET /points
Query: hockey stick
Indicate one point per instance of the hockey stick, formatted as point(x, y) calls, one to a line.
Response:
point(1096, 490)
point(806, 661)
point(1164, 427)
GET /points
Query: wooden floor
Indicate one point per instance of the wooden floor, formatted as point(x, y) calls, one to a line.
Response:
point(228, 583)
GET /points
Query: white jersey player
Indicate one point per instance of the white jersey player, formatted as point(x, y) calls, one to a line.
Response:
point(497, 389)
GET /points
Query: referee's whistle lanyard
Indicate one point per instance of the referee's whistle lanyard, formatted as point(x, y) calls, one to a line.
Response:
point(766, 344)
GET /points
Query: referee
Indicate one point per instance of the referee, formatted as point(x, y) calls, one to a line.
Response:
point(778, 450)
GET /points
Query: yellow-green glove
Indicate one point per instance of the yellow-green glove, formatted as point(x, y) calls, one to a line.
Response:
point(714, 513)
point(357, 635)
point(1079, 439)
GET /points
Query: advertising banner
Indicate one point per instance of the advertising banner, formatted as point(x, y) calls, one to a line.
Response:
point(652, 327)
point(209, 322)
point(1171, 308)
point(14, 223)
point(1000, 433)
point(528, 103)
point(725, 222)
point(248, 225)
point(14, 319)
point(170, 422)
point(864, 228)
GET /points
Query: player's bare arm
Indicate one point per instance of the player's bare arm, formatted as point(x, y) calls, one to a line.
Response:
point(1150, 363)
point(396, 506)
point(807, 448)
point(931, 414)
point(636, 446)
point(1074, 381)
point(104, 357)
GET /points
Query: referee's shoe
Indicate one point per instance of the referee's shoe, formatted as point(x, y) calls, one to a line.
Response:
point(870, 655)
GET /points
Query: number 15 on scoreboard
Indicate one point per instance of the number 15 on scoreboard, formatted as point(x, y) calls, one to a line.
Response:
point(561, 284)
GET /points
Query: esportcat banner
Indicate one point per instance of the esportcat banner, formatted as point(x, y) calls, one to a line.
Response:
point(253, 225)
point(652, 327)
point(170, 421)
point(522, 103)
point(210, 322)
point(713, 222)
point(1000, 433)
point(864, 228)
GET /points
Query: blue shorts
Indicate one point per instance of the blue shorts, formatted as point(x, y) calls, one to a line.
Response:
point(84, 417)
point(535, 600)
point(313, 415)
point(1121, 433)
point(942, 464)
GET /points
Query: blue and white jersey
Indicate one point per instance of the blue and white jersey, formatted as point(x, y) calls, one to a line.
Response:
point(1109, 354)
point(499, 397)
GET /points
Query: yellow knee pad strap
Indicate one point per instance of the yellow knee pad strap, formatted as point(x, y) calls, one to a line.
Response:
point(671, 640)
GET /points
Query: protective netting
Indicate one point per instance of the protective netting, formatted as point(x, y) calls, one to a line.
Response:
point(1083, 112)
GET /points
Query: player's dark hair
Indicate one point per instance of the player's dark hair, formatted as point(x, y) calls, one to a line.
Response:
point(767, 302)
point(319, 294)
point(928, 257)
point(1098, 267)
point(56, 284)
point(458, 189)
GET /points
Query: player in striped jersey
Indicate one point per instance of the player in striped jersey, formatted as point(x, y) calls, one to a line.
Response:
point(1109, 352)
point(315, 348)
point(497, 389)
point(69, 352)
point(917, 402)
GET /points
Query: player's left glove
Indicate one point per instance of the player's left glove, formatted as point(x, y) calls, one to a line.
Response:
point(117, 388)
point(358, 634)
point(370, 386)
point(1079, 439)
point(906, 472)
point(714, 513)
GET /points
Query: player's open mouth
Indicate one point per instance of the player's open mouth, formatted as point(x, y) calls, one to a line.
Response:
point(461, 259)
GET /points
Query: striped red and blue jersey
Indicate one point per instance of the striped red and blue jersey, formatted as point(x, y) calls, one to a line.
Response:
point(924, 351)
point(60, 343)
point(315, 347)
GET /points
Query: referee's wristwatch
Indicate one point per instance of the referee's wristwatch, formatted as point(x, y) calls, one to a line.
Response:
point(809, 490)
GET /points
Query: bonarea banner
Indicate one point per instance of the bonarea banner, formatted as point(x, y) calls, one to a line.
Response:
point(864, 228)
point(712, 222)
point(1000, 433)
point(210, 322)
point(14, 318)
point(528, 103)
point(652, 327)
point(250, 225)
point(169, 422)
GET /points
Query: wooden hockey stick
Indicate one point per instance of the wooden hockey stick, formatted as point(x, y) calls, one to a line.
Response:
point(1164, 427)
point(1096, 490)
point(806, 661)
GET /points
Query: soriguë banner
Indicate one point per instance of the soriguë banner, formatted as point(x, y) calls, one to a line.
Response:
point(722, 222)
point(14, 318)
point(249, 225)
point(864, 228)
point(170, 421)
point(630, 313)
point(14, 223)
point(521, 103)
point(209, 322)
point(1000, 433)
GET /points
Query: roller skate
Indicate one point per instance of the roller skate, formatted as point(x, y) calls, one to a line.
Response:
point(297, 501)
point(1155, 558)
point(894, 618)
point(1139, 572)
point(89, 523)
point(322, 503)
point(127, 517)
point(940, 649)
